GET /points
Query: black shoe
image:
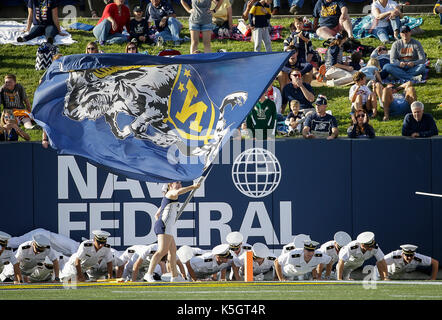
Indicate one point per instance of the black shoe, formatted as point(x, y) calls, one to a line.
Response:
point(20, 39)
point(50, 40)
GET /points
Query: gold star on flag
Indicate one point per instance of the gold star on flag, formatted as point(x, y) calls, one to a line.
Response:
point(181, 87)
point(187, 73)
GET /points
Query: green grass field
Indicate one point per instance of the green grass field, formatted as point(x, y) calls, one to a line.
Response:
point(21, 59)
point(316, 290)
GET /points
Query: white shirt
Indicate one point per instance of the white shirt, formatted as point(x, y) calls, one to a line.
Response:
point(329, 249)
point(363, 91)
point(396, 264)
point(382, 23)
point(7, 256)
point(264, 267)
point(28, 259)
point(205, 265)
point(352, 252)
point(276, 98)
point(89, 256)
point(143, 251)
point(293, 262)
point(288, 247)
point(244, 247)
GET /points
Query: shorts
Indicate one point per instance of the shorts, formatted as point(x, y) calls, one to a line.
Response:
point(200, 27)
point(159, 227)
point(399, 107)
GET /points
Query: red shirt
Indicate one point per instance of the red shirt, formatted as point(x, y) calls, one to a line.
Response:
point(122, 20)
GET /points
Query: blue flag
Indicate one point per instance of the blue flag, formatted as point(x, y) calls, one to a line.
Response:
point(151, 118)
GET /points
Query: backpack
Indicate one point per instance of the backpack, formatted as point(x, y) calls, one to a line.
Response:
point(44, 55)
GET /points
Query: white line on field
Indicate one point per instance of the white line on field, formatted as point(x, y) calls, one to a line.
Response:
point(214, 291)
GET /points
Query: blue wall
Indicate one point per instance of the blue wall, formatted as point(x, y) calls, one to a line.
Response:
point(325, 186)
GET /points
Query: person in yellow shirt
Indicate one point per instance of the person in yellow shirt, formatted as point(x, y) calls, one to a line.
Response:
point(222, 19)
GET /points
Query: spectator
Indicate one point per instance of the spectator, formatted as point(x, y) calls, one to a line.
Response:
point(361, 97)
point(13, 96)
point(337, 71)
point(295, 118)
point(361, 129)
point(298, 90)
point(167, 25)
point(438, 10)
point(320, 124)
point(300, 39)
point(394, 103)
point(222, 19)
point(131, 47)
point(333, 18)
point(381, 54)
point(387, 19)
point(372, 70)
point(274, 94)
point(200, 20)
point(295, 63)
point(260, 15)
point(407, 59)
point(295, 6)
point(92, 47)
point(262, 118)
point(247, 7)
point(419, 124)
point(44, 140)
point(10, 131)
point(43, 16)
point(109, 28)
point(356, 59)
point(139, 27)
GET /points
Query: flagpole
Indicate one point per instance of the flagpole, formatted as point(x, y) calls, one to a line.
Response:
point(429, 194)
point(200, 180)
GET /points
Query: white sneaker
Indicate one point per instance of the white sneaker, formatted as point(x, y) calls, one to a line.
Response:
point(330, 83)
point(149, 278)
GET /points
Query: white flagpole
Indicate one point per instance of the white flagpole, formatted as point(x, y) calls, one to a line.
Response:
point(429, 194)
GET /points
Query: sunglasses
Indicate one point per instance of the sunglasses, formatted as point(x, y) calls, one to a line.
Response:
point(11, 117)
point(360, 116)
point(296, 75)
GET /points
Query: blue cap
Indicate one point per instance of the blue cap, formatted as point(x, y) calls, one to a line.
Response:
point(321, 100)
point(405, 29)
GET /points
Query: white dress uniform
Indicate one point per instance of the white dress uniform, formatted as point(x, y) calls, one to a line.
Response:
point(397, 266)
point(263, 271)
point(7, 256)
point(298, 242)
point(89, 257)
point(353, 257)
point(28, 259)
point(132, 254)
point(100, 270)
point(294, 266)
point(329, 249)
point(205, 266)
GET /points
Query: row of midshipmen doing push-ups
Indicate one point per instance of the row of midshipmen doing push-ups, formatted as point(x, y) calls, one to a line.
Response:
point(36, 261)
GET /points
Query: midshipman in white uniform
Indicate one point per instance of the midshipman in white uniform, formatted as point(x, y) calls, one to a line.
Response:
point(298, 242)
point(299, 262)
point(332, 248)
point(354, 254)
point(89, 254)
point(8, 257)
point(263, 263)
point(237, 248)
point(205, 267)
point(401, 262)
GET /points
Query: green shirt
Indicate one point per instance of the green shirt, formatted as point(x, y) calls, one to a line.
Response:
point(262, 117)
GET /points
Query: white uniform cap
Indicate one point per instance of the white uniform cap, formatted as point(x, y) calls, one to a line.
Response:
point(164, 187)
point(41, 240)
point(222, 250)
point(101, 235)
point(260, 250)
point(48, 261)
point(184, 253)
point(408, 248)
point(234, 238)
point(299, 240)
point(4, 237)
point(342, 238)
point(310, 244)
point(365, 237)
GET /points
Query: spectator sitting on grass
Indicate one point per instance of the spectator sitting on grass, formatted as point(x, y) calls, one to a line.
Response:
point(262, 119)
point(131, 47)
point(361, 97)
point(298, 90)
point(361, 129)
point(13, 96)
point(407, 58)
point(109, 28)
point(337, 71)
point(139, 27)
point(222, 19)
point(387, 18)
point(320, 124)
point(393, 102)
point(305, 68)
point(164, 17)
point(9, 129)
point(295, 118)
point(333, 18)
point(372, 70)
point(419, 124)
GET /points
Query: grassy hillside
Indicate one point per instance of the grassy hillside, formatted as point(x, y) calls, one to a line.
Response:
point(20, 60)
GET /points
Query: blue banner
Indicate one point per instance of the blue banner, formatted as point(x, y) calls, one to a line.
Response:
point(151, 118)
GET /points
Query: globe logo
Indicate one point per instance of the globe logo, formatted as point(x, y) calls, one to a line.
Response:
point(256, 172)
